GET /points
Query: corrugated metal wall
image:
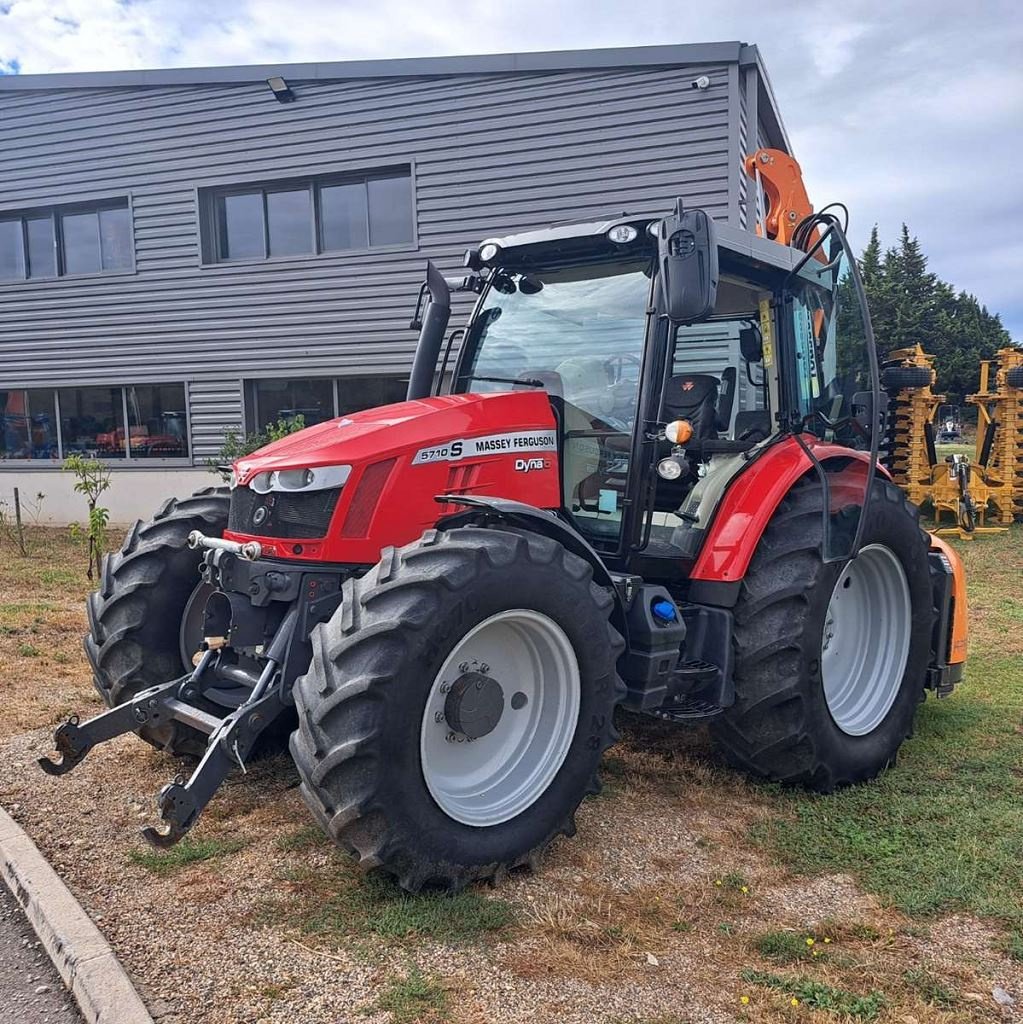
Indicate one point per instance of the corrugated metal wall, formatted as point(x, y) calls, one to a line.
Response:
point(490, 154)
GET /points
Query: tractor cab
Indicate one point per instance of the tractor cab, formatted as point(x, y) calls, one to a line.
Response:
point(674, 352)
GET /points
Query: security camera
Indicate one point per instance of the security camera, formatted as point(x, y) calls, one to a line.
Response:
point(703, 82)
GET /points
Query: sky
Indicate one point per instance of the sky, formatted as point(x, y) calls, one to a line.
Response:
point(905, 111)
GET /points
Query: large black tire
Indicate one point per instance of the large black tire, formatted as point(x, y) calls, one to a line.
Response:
point(898, 378)
point(780, 727)
point(1014, 377)
point(361, 705)
point(134, 617)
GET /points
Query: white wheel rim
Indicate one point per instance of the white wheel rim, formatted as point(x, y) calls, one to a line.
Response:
point(495, 777)
point(865, 644)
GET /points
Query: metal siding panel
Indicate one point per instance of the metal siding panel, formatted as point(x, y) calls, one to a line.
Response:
point(492, 153)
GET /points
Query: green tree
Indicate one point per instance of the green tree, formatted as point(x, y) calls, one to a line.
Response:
point(910, 305)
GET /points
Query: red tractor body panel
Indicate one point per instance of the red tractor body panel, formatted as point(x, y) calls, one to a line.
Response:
point(751, 500)
point(403, 456)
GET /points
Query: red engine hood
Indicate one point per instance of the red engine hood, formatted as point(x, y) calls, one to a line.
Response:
point(392, 429)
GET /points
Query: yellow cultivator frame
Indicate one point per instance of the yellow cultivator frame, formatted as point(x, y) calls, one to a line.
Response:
point(986, 490)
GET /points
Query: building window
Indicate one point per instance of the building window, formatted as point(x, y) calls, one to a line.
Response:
point(318, 399)
point(308, 216)
point(29, 425)
point(65, 240)
point(45, 423)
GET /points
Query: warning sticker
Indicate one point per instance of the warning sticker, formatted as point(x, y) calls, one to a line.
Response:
point(493, 444)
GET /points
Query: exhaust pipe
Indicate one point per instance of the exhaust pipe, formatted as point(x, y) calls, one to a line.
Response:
point(431, 334)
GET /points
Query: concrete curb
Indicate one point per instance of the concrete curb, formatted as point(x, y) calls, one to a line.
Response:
point(76, 946)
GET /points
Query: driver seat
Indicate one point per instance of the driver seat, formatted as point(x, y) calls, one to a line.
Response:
point(694, 397)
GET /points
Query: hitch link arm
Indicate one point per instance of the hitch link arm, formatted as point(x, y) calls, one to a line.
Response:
point(74, 739)
point(180, 803)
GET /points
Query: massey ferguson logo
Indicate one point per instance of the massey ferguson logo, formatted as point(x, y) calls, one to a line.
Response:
point(688, 385)
point(528, 465)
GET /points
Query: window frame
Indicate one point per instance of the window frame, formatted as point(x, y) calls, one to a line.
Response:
point(128, 461)
point(54, 212)
point(208, 200)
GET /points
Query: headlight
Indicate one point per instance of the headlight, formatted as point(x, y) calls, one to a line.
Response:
point(291, 481)
point(621, 234)
point(669, 469)
point(489, 252)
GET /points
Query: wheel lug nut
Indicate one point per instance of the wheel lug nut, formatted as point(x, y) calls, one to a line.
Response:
point(438, 716)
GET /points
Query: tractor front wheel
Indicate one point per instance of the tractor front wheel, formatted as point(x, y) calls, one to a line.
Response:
point(830, 659)
point(457, 705)
point(145, 620)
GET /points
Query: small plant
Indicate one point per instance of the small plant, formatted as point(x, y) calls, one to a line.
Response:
point(414, 998)
point(783, 947)
point(815, 995)
point(236, 444)
point(28, 651)
point(14, 515)
point(93, 478)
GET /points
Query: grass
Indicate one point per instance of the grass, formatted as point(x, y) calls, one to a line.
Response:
point(188, 851)
point(309, 837)
point(816, 995)
point(339, 902)
point(931, 989)
point(942, 832)
point(785, 947)
point(414, 999)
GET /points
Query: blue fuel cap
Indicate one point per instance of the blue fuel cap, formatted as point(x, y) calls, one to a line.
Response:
point(664, 610)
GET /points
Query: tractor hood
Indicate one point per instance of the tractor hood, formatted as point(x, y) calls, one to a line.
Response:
point(393, 430)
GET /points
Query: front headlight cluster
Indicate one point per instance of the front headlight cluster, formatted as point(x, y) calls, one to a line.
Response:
point(291, 481)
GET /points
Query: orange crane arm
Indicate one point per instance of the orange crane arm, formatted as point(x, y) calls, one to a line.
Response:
point(780, 179)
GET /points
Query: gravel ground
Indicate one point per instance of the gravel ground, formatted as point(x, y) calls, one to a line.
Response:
point(31, 991)
point(625, 924)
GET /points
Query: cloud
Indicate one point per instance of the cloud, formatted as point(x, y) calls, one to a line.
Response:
point(907, 112)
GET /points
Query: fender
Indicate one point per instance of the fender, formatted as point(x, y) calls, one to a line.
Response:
point(537, 520)
point(750, 502)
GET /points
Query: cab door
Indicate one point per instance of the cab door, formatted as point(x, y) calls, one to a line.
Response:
point(830, 382)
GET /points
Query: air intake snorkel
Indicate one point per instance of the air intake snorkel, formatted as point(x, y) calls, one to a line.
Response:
point(432, 325)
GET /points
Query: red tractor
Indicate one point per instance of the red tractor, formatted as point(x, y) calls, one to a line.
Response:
point(443, 602)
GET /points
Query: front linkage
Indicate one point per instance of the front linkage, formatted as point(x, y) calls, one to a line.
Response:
point(230, 738)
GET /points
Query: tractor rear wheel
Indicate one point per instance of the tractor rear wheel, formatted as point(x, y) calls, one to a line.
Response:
point(457, 705)
point(145, 620)
point(830, 660)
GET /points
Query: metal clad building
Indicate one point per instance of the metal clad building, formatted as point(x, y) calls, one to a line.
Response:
point(182, 253)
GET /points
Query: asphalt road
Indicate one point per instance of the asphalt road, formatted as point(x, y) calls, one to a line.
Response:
point(31, 991)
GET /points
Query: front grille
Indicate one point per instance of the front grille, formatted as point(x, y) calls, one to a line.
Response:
point(305, 515)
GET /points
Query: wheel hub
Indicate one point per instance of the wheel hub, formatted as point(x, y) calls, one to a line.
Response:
point(500, 717)
point(474, 705)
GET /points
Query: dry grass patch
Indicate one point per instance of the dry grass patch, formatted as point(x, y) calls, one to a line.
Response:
point(43, 675)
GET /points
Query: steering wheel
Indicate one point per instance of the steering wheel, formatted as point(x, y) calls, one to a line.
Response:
point(624, 390)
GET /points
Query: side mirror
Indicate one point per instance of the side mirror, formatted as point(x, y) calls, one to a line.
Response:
point(688, 254)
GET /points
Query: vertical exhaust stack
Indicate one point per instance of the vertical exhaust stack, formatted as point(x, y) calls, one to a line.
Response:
point(431, 334)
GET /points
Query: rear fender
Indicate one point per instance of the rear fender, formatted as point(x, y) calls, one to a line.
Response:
point(751, 501)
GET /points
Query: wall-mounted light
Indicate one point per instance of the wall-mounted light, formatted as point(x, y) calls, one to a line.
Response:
point(280, 89)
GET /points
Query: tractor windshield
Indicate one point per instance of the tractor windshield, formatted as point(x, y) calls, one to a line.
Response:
point(577, 332)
